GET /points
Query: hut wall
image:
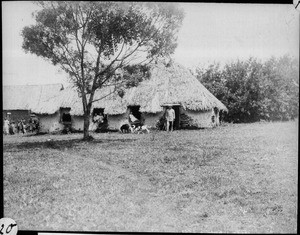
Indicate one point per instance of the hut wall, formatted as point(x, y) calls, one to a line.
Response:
point(152, 118)
point(115, 121)
point(77, 122)
point(201, 119)
point(50, 122)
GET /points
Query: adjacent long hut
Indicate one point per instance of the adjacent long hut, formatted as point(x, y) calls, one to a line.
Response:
point(18, 100)
point(68, 102)
point(168, 85)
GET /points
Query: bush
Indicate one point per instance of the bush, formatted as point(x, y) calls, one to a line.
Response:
point(252, 90)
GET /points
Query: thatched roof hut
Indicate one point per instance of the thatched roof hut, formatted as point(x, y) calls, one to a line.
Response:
point(69, 98)
point(27, 97)
point(167, 85)
point(171, 84)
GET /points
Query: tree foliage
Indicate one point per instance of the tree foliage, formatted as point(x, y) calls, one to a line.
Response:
point(90, 41)
point(253, 90)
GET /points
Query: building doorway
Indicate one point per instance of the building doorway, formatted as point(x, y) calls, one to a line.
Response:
point(177, 117)
point(176, 107)
point(135, 110)
point(99, 119)
point(65, 116)
point(66, 120)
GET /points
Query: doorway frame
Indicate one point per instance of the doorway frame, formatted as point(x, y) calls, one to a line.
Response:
point(176, 107)
point(136, 110)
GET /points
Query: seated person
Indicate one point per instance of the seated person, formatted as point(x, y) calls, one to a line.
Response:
point(133, 120)
point(98, 118)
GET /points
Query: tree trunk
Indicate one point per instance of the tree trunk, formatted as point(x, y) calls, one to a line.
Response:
point(86, 124)
point(86, 117)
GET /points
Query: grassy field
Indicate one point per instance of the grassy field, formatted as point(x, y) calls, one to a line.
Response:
point(235, 178)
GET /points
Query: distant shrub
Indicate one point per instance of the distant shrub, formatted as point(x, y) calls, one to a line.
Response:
point(252, 90)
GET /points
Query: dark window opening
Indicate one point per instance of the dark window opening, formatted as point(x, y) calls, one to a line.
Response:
point(65, 115)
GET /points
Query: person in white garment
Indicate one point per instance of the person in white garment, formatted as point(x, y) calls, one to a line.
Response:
point(170, 117)
point(6, 126)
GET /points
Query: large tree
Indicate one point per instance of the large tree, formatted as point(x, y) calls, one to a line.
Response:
point(92, 40)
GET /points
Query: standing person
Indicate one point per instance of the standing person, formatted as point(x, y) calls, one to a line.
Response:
point(22, 126)
point(37, 124)
point(30, 124)
point(170, 117)
point(6, 126)
point(14, 127)
point(11, 128)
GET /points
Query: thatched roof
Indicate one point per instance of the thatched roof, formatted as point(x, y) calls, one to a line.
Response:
point(172, 85)
point(63, 99)
point(26, 97)
point(69, 98)
point(167, 85)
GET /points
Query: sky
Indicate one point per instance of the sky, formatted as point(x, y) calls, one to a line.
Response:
point(211, 32)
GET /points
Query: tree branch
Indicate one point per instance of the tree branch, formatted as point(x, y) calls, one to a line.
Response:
point(110, 93)
point(95, 78)
point(109, 66)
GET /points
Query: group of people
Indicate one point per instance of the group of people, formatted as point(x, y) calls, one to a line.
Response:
point(98, 118)
point(99, 123)
point(14, 127)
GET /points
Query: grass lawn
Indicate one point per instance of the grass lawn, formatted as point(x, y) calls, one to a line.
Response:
point(234, 178)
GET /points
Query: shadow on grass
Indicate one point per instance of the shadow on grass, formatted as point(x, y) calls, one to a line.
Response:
point(59, 144)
